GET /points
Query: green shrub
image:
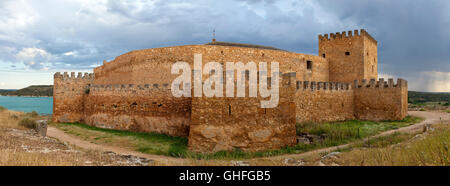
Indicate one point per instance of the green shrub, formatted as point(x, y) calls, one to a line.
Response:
point(33, 114)
point(14, 117)
point(2, 109)
point(28, 123)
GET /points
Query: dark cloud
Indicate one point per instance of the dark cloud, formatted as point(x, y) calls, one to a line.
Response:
point(80, 34)
point(412, 35)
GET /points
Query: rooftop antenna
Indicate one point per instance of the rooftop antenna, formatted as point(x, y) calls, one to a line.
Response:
point(214, 35)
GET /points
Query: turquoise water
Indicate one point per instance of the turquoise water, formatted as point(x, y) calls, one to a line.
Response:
point(42, 105)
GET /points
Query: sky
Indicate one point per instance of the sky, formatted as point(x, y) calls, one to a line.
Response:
point(39, 38)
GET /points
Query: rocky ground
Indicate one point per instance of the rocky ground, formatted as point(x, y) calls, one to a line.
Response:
point(19, 146)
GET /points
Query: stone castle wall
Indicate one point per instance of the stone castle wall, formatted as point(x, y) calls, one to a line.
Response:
point(351, 55)
point(139, 67)
point(381, 100)
point(224, 124)
point(323, 102)
point(132, 92)
point(69, 94)
point(151, 108)
point(370, 58)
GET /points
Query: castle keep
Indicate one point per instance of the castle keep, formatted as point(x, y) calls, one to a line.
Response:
point(132, 92)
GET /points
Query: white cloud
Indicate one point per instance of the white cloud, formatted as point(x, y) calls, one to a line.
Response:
point(71, 53)
point(386, 76)
point(16, 18)
point(16, 15)
point(35, 58)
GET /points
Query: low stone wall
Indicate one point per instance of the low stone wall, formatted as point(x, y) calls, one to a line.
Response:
point(323, 102)
point(381, 100)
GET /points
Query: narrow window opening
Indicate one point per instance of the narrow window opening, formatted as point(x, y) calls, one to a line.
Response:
point(323, 55)
point(265, 110)
point(309, 65)
point(263, 55)
point(347, 53)
point(229, 109)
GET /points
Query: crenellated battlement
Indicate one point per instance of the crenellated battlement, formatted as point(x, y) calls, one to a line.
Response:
point(131, 87)
point(72, 76)
point(340, 35)
point(401, 83)
point(348, 34)
point(324, 86)
point(133, 92)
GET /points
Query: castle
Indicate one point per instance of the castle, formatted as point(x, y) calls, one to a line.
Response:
point(132, 92)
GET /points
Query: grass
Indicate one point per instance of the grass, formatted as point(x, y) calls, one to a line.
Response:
point(151, 143)
point(432, 150)
point(335, 133)
point(12, 152)
point(448, 111)
point(423, 106)
point(385, 141)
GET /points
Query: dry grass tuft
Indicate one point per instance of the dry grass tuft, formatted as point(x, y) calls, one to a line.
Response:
point(20, 146)
point(422, 150)
point(28, 123)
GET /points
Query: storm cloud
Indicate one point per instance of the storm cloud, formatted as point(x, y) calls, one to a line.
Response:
point(41, 37)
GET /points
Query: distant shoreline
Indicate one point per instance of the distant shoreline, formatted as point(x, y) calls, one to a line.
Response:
point(27, 96)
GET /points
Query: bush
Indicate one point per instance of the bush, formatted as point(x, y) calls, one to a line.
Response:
point(2, 109)
point(28, 123)
point(14, 117)
point(33, 114)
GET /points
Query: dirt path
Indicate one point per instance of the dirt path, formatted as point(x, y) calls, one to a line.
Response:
point(63, 137)
point(430, 118)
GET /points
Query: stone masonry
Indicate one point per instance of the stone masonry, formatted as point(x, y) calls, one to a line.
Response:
point(132, 92)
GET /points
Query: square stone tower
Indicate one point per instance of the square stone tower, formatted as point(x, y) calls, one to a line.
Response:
point(351, 56)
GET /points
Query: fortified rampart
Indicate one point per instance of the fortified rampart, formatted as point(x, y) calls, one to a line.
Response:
point(69, 94)
point(154, 65)
point(152, 108)
point(323, 101)
point(225, 124)
point(132, 92)
point(381, 100)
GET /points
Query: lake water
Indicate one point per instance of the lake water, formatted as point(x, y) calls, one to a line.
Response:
point(42, 105)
